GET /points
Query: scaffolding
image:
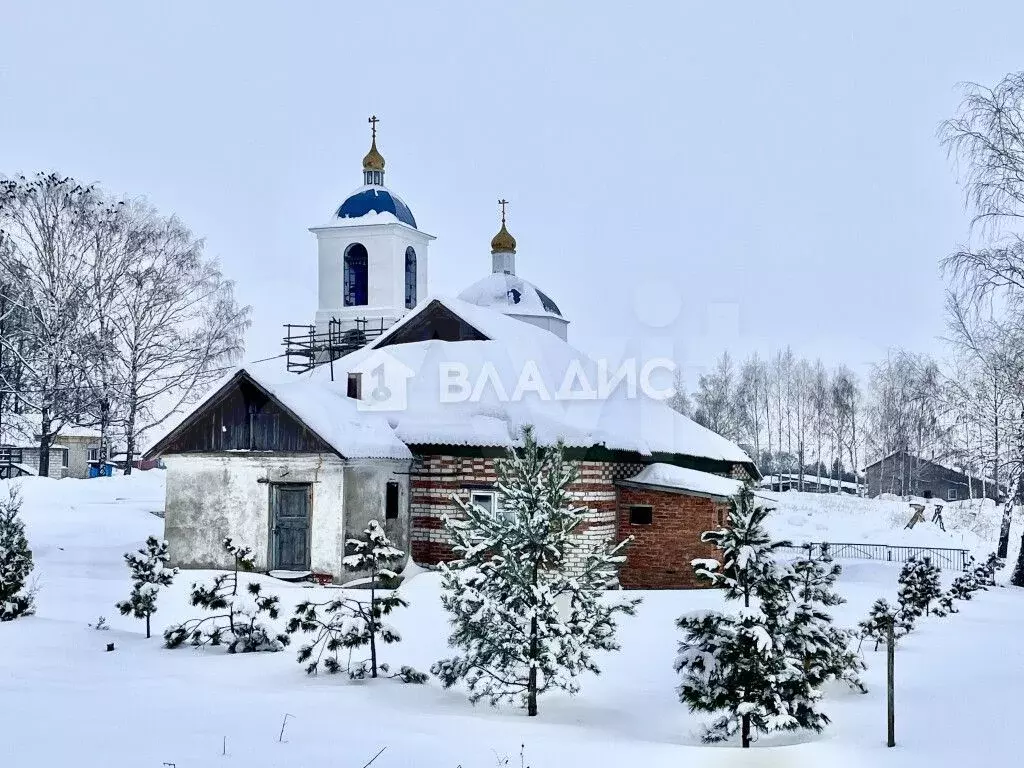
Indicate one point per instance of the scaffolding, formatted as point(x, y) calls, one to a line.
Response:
point(305, 348)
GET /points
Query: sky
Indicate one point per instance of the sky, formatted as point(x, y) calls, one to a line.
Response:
point(684, 176)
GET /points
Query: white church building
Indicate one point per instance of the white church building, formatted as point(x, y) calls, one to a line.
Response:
point(361, 424)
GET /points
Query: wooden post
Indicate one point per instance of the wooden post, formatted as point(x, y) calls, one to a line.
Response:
point(890, 687)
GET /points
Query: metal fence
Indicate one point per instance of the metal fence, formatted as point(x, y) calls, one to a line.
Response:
point(945, 558)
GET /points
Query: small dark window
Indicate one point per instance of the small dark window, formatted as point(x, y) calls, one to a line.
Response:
point(64, 457)
point(391, 502)
point(410, 278)
point(641, 515)
point(952, 494)
point(355, 388)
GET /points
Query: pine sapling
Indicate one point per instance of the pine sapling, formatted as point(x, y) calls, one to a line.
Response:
point(525, 622)
point(823, 648)
point(149, 571)
point(743, 667)
point(876, 626)
point(236, 623)
point(15, 561)
point(349, 623)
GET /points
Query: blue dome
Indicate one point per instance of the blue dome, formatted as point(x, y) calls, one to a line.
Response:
point(375, 199)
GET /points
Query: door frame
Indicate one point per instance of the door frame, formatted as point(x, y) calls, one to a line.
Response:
point(272, 489)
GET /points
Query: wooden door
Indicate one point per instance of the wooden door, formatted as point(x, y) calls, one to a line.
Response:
point(289, 532)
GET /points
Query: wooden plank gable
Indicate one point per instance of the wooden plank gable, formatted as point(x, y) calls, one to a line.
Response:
point(242, 416)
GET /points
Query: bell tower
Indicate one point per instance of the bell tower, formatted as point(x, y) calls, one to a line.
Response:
point(372, 256)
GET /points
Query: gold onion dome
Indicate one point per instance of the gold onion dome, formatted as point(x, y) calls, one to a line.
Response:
point(503, 242)
point(374, 160)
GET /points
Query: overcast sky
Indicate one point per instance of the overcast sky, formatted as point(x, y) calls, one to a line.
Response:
point(737, 176)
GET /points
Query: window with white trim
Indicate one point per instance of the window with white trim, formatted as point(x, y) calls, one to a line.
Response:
point(952, 494)
point(485, 500)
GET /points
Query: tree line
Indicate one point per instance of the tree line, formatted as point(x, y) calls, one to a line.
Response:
point(111, 315)
point(964, 410)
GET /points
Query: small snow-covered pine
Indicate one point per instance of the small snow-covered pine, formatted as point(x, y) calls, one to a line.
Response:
point(824, 648)
point(876, 626)
point(349, 623)
point(15, 561)
point(743, 667)
point(966, 583)
point(522, 622)
point(985, 573)
point(236, 620)
point(919, 586)
point(149, 570)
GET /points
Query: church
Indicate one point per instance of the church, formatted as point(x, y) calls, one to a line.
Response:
point(394, 402)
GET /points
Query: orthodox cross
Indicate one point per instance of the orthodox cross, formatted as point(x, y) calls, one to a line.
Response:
point(373, 125)
point(503, 203)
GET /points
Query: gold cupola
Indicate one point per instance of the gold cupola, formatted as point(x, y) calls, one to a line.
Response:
point(503, 242)
point(373, 163)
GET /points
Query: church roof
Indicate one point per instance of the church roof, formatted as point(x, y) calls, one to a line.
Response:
point(510, 295)
point(374, 199)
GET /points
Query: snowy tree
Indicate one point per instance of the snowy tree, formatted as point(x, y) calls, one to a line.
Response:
point(524, 622)
point(919, 587)
point(45, 223)
point(985, 573)
point(876, 626)
point(714, 401)
point(236, 621)
point(824, 648)
point(15, 561)
point(966, 583)
point(148, 566)
point(348, 623)
point(742, 667)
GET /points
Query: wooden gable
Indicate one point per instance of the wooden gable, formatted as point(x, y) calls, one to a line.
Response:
point(242, 416)
point(435, 321)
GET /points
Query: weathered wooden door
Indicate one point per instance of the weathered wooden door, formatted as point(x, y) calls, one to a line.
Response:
point(289, 532)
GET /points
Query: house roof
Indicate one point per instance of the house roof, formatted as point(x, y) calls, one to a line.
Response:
point(324, 410)
point(672, 478)
point(955, 470)
point(516, 375)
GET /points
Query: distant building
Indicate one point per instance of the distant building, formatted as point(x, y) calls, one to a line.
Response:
point(904, 474)
point(811, 483)
point(70, 454)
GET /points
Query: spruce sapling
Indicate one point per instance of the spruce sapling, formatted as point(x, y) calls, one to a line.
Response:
point(15, 561)
point(236, 624)
point(148, 566)
point(523, 621)
point(349, 623)
point(739, 666)
point(985, 573)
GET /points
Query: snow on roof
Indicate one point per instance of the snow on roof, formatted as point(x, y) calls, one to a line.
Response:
point(511, 295)
point(683, 479)
point(22, 430)
point(488, 411)
point(808, 478)
point(518, 354)
point(323, 407)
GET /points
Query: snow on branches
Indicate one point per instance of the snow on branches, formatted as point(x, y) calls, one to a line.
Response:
point(920, 586)
point(524, 622)
point(744, 667)
point(15, 561)
point(236, 623)
point(148, 566)
point(349, 623)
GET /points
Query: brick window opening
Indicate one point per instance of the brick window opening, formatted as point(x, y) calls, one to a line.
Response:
point(391, 502)
point(720, 516)
point(641, 515)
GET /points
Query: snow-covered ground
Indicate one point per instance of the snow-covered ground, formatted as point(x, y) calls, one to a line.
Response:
point(64, 701)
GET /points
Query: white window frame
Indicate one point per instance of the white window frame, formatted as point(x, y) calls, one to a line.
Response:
point(952, 494)
point(491, 505)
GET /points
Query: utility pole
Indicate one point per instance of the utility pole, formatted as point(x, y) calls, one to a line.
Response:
point(890, 652)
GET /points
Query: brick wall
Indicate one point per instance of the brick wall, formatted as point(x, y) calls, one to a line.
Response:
point(435, 478)
point(660, 555)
